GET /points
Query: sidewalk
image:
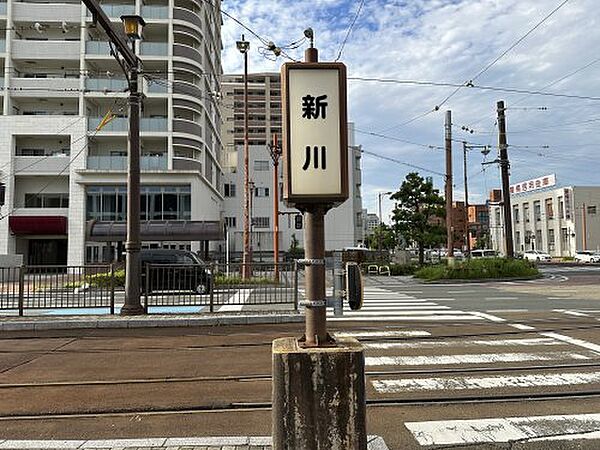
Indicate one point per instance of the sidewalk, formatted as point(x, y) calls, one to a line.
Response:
point(38, 323)
point(206, 443)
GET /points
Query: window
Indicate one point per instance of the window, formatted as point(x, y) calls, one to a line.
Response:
point(550, 240)
point(260, 222)
point(516, 217)
point(262, 166)
point(517, 239)
point(359, 220)
point(537, 210)
point(561, 208)
point(538, 240)
point(564, 237)
point(46, 201)
point(591, 209)
point(549, 209)
point(261, 192)
point(229, 190)
point(231, 222)
point(526, 212)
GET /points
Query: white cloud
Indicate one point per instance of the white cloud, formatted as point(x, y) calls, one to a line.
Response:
point(449, 40)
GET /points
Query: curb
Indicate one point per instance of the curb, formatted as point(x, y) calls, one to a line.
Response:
point(229, 442)
point(480, 280)
point(153, 321)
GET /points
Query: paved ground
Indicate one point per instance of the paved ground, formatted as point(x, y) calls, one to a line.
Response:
point(455, 366)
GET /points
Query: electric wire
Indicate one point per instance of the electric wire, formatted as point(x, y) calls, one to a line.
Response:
point(350, 28)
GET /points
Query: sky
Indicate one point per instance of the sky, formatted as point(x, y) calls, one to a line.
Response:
point(498, 44)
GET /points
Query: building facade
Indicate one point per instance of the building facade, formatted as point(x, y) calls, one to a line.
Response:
point(343, 225)
point(372, 222)
point(62, 176)
point(558, 221)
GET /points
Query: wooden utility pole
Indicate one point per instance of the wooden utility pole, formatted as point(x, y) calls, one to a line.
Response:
point(449, 227)
point(584, 226)
point(467, 237)
point(505, 167)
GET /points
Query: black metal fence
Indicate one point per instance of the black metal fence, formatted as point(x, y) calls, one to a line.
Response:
point(218, 287)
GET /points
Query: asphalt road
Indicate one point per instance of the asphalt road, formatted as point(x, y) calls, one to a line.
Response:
point(491, 365)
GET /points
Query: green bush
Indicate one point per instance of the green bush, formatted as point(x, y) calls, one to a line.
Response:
point(224, 280)
point(100, 280)
point(479, 269)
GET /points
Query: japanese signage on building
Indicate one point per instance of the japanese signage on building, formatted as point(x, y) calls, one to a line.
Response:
point(315, 133)
point(533, 185)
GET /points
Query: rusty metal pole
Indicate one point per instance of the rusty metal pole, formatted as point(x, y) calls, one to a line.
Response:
point(275, 155)
point(247, 252)
point(449, 221)
point(315, 333)
point(467, 234)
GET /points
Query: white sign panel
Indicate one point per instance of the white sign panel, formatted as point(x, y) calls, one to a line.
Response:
point(315, 134)
point(533, 185)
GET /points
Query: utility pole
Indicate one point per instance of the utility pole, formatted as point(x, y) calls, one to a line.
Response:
point(244, 46)
point(131, 65)
point(379, 195)
point(505, 167)
point(584, 226)
point(275, 151)
point(449, 227)
point(485, 151)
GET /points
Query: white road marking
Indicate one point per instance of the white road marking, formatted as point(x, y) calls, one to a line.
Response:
point(463, 343)
point(409, 312)
point(403, 318)
point(573, 341)
point(506, 310)
point(470, 291)
point(404, 307)
point(520, 326)
point(488, 316)
point(392, 333)
point(488, 382)
point(236, 301)
point(576, 314)
point(539, 428)
point(485, 358)
point(501, 298)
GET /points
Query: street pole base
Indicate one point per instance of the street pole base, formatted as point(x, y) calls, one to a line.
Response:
point(128, 310)
point(318, 396)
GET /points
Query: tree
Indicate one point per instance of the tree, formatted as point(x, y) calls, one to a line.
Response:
point(419, 213)
point(387, 236)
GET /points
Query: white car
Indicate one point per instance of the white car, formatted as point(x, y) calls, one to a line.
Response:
point(485, 253)
point(536, 255)
point(586, 256)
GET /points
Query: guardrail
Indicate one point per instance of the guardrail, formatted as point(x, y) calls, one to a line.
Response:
point(215, 286)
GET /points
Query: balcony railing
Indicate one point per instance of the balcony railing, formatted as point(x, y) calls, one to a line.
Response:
point(101, 84)
point(120, 124)
point(2, 8)
point(97, 48)
point(153, 48)
point(155, 12)
point(119, 163)
point(2, 44)
point(118, 10)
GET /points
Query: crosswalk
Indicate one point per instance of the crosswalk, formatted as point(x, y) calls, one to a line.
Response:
point(412, 363)
point(382, 304)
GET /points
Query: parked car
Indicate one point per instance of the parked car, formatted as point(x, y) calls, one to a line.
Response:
point(485, 253)
point(175, 270)
point(536, 255)
point(586, 256)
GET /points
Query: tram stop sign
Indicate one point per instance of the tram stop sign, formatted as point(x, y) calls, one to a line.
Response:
point(315, 133)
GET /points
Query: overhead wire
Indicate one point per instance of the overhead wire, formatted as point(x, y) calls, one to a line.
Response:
point(350, 28)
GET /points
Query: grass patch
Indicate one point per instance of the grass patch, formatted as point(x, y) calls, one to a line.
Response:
point(99, 280)
point(476, 269)
point(224, 280)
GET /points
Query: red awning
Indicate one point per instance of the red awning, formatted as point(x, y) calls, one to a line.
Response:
point(44, 225)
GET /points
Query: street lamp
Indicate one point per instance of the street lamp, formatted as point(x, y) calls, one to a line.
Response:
point(133, 26)
point(379, 195)
point(244, 46)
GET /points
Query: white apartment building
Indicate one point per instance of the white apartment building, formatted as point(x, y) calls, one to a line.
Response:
point(343, 225)
point(372, 222)
point(558, 221)
point(65, 183)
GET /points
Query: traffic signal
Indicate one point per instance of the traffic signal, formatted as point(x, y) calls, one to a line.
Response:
point(354, 286)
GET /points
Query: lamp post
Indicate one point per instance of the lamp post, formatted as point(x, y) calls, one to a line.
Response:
point(244, 46)
point(275, 152)
point(379, 195)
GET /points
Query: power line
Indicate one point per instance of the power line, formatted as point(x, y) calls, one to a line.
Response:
point(360, 6)
point(370, 133)
point(397, 161)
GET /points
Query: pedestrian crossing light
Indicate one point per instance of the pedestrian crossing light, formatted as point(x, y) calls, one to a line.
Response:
point(133, 26)
point(354, 286)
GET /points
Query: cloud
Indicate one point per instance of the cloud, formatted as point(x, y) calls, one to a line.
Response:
point(449, 41)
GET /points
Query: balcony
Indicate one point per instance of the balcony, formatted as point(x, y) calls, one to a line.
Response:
point(187, 16)
point(180, 163)
point(36, 165)
point(154, 12)
point(61, 50)
point(119, 163)
point(120, 124)
point(35, 87)
point(2, 8)
point(105, 84)
point(186, 51)
point(116, 11)
point(187, 126)
point(153, 87)
point(2, 46)
point(153, 48)
point(45, 12)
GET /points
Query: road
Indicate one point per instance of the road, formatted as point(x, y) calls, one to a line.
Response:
point(491, 365)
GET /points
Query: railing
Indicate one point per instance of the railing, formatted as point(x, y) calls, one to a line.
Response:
point(110, 84)
point(119, 163)
point(155, 12)
point(118, 10)
point(2, 8)
point(119, 124)
point(214, 287)
point(153, 48)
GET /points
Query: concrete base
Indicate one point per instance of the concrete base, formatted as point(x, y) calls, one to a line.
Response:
point(319, 396)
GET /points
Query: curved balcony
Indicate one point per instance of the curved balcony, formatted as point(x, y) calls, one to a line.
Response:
point(188, 52)
point(189, 31)
point(185, 88)
point(187, 16)
point(187, 126)
point(195, 144)
point(181, 163)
